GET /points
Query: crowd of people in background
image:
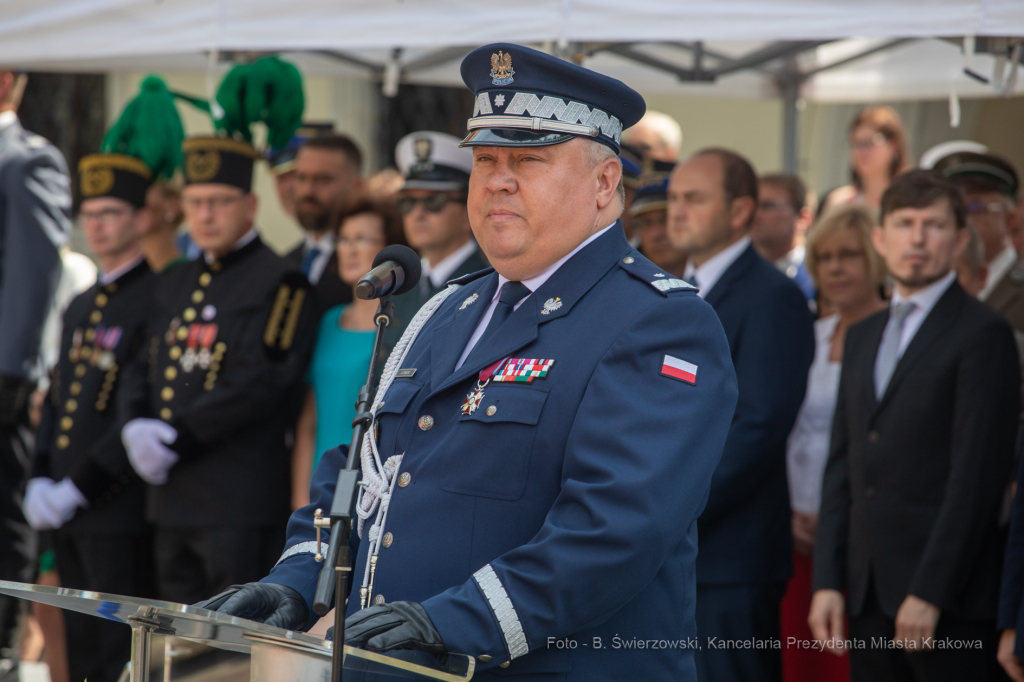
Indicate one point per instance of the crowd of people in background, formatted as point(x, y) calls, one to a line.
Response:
point(867, 486)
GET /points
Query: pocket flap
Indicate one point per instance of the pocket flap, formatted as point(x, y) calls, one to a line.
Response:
point(510, 403)
point(399, 394)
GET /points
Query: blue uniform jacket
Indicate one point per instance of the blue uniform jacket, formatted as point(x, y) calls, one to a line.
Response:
point(576, 497)
point(745, 530)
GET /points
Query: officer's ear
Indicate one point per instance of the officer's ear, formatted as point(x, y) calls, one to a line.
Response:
point(609, 181)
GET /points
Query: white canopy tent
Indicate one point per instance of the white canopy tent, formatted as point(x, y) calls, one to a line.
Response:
point(737, 48)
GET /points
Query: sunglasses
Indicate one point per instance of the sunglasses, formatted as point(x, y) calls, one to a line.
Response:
point(434, 203)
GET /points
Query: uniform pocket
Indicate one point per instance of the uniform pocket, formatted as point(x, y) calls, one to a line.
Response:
point(399, 394)
point(489, 453)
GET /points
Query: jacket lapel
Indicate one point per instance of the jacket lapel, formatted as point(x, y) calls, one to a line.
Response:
point(733, 274)
point(451, 337)
point(935, 325)
point(553, 299)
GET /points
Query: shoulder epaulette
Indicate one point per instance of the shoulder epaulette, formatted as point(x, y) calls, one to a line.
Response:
point(279, 333)
point(635, 264)
point(466, 279)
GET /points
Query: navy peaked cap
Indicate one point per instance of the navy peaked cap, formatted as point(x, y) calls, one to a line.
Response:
point(526, 98)
point(651, 187)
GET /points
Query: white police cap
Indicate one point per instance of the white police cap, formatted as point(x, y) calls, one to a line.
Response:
point(432, 160)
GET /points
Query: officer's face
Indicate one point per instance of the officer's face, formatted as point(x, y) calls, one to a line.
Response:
point(531, 206)
point(324, 184)
point(217, 215)
point(700, 221)
point(919, 245)
point(436, 232)
point(111, 226)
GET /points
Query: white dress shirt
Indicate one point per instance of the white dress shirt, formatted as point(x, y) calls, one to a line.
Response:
point(924, 301)
point(808, 444)
point(532, 284)
point(7, 118)
point(442, 272)
point(326, 243)
point(997, 269)
point(707, 275)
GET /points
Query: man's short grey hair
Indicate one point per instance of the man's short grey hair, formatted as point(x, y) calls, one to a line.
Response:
point(665, 127)
point(595, 153)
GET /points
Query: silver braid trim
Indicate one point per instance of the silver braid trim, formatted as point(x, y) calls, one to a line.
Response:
point(504, 611)
point(303, 548)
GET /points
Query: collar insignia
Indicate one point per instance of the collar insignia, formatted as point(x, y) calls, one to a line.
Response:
point(550, 305)
point(468, 302)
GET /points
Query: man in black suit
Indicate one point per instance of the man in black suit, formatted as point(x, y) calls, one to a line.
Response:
point(922, 448)
point(327, 179)
point(745, 535)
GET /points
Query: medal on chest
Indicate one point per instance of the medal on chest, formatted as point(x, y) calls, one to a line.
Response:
point(476, 396)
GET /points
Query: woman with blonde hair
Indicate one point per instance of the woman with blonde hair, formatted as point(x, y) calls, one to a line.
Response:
point(848, 273)
point(878, 153)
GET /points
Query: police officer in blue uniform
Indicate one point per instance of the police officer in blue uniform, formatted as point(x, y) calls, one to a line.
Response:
point(547, 436)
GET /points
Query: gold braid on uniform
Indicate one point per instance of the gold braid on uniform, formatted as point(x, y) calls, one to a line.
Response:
point(284, 317)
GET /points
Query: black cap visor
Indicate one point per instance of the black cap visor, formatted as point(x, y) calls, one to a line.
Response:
point(514, 137)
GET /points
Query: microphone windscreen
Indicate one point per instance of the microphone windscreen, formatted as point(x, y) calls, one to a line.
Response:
point(407, 259)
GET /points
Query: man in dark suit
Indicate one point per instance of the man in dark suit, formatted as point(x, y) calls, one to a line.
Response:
point(745, 552)
point(922, 448)
point(327, 179)
point(434, 215)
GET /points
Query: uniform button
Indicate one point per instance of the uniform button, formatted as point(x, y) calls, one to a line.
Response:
point(491, 411)
point(80, 371)
point(869, 491)
point(379, 599)
point(183, 331)
point(220, 347)
point(188, 315)
point(66, 423)
point(506, 663)
point(405, 479)
point(872, 437)
point(197, 296)
point(90, 334)
point(167, 393)
point(204, 279)
point(86, 353)
point(96, 317)
point(387, 539)
point(63, 441)
point(75, 388)
point(426, 422)
point(174, 353)
point(101, 300)
point(484, 658)
point(71, 405)
point(112, 287)
point(170, 373)
point(165, 414)
point(628, 260)
point(216, 266)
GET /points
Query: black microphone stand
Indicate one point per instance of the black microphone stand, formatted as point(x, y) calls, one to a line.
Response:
point(332, 586)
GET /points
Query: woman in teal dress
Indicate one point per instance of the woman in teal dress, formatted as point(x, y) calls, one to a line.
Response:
point(344, 344)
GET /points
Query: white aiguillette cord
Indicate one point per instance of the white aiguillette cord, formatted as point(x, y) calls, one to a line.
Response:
point(379, 478)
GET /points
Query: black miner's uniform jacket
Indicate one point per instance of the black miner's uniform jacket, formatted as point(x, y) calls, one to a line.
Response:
point(79, 435)
point(228, 344)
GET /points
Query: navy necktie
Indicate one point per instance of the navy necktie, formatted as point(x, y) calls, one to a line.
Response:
point(307, 260)
point(511, 293)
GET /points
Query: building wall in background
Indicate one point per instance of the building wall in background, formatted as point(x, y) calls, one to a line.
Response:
point(351, 104)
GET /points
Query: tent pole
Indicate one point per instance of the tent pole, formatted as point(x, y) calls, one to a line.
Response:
point(789, 90)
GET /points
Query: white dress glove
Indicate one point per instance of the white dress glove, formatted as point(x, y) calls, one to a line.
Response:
point(49, 505)
point(146, 441)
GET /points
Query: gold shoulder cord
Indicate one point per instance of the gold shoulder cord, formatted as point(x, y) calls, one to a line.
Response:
point(288, 335)
point(274, 323)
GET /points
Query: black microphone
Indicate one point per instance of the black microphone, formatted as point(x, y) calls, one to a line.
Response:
point(396, 270)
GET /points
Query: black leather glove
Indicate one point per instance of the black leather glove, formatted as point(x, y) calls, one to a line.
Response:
point(398, 625)
point(267, 603)
point(13, 396)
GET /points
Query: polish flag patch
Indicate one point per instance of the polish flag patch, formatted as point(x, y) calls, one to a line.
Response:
point(679, 369)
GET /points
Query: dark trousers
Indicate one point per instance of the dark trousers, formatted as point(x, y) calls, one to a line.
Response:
point(194, 564)
point(738, 632)
point(16, 539)
point(876, 663)
point(115, 563)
